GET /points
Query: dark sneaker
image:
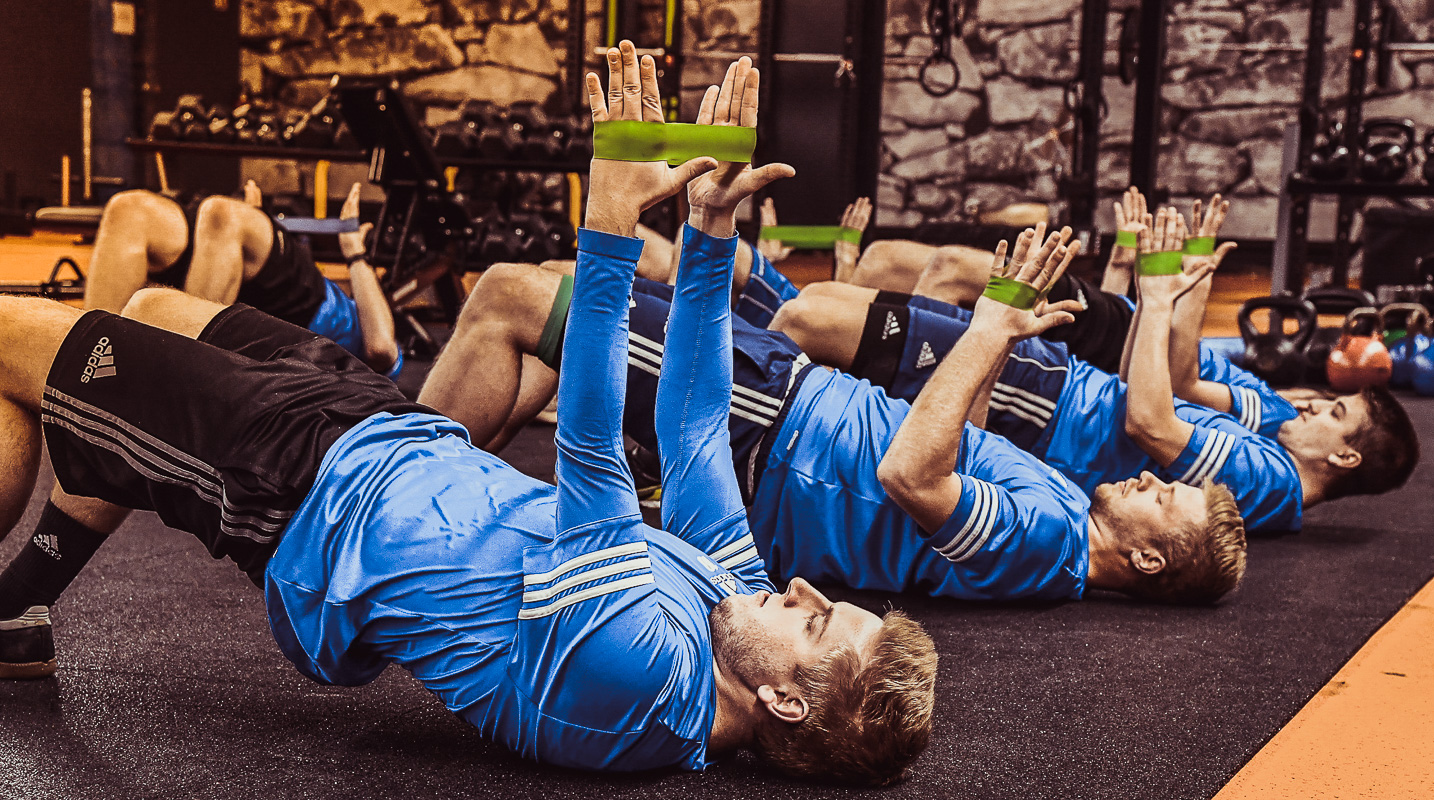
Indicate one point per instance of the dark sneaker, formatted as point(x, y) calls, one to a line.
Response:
point(27, 645)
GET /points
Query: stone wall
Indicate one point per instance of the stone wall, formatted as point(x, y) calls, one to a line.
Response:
point(1223, 111)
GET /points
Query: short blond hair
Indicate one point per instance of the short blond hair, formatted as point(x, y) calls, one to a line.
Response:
point(865, 723)
point(1204, 563)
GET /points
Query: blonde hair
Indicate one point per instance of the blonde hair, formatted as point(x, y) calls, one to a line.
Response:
point(1203, 564)
point(865, 723)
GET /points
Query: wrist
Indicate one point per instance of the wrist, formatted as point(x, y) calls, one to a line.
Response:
point(621, 223)
point(719, 222)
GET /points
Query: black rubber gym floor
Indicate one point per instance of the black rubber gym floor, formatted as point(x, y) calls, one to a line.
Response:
point(170, 685)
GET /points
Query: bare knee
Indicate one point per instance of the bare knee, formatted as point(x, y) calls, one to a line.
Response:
point(171, 310)
point(798, 317)
point(137, 206)
point(513, 297)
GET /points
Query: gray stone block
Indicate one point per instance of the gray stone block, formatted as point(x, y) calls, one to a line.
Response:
point(908, 102)
point(1047, 52)
point(1025, 12)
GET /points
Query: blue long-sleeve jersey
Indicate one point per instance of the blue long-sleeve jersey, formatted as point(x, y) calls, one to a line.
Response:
point(550, 618)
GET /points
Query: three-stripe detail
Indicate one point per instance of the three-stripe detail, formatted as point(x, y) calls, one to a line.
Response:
point(586, 577)
point(1251, 410)
point(161, 463)
point(1024, 404)
point(736, 553)
point(978, 524)
point(1211, 458)
point(646, 355)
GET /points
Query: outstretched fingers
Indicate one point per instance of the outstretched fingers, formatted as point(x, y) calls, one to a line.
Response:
point(747, 103)
point(596, 101)
point(998, 262)
point(651, 95)
point(709, 106)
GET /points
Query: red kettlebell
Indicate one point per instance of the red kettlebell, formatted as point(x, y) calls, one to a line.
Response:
point(1359, 360)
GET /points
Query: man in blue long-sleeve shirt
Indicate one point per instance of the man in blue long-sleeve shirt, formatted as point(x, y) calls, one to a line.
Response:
point(550, 618)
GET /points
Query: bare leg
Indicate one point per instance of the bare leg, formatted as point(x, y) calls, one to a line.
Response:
point(476, 379)
point(31, 332)
point(956, 274)
point(892, 264)
point(537, 387)
point(140, 233)
point(826, 321)
point(231, 243)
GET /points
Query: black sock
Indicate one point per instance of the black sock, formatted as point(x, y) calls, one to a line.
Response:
point(48, 563)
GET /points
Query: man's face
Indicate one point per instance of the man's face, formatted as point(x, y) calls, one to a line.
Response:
point(761, 638)
point(1147, 503)
point(1324, 425)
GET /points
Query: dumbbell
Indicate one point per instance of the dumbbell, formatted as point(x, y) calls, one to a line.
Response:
point(164, 127)
point(500, 138)
point(539, 143)
point(314, 129)
point(1429, 157)
point(1385, 146)
point(192, 118)
point(550, 238)
point(221, 124)
point(1330, 159)
point(268, 130)
point(580, 141)
point(244, 121)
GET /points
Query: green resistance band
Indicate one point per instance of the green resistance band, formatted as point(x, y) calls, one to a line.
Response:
point(1012, 293)
point(1200, 246)
point(1166, 262)
point(810, 236)
point(673, 142)
point(1127, 239)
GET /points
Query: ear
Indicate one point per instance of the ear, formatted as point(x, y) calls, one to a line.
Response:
point(1147, 560)
point(786, 705)
point(1345, 458)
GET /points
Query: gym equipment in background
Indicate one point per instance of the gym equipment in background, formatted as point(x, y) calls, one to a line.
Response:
point(1385, 147)
point(1330, 300)
point(1275, 355)
point(1330, 159)
point(1406, 339)
point(1428, 149)
point(1360, 359)
point(1394, 241)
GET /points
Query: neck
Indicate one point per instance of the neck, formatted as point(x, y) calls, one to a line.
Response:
point(1312, 481)
point(732, 722)
point(1107, 564)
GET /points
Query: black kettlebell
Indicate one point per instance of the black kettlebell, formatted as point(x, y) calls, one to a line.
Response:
point(1429, 157)
point(1330, 160)
point(1274, 355)
point(1385, 146)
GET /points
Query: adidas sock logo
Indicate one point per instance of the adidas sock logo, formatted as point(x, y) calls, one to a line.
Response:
point(892, 326)
point(926, 358)
point(49, 543)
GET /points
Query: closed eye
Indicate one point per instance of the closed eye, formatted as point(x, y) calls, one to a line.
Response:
point(811, 621)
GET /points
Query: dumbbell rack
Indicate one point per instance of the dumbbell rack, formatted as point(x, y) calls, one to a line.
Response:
point(1292, 246)
point(339, 156)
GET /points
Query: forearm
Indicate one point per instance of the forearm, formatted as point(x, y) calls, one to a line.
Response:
point(694, 391)
point(1118, 270)
point(981, 407)
point(927, 445)
point(1186, 324)
point(1150, 405)
point(1129, 346)
point(375, 318)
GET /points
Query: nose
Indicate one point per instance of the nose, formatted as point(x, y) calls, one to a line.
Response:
point(1146, 479)
point(800, 593)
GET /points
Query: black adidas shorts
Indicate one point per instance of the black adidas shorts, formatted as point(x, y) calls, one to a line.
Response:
point(1098, 334)
point(221, 437)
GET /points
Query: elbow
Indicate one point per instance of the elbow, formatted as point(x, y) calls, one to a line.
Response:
point(381, 357)
point(899, 479)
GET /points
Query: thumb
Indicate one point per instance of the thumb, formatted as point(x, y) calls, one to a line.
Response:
point(689, 170)
point(763, 176)
point(364, 229)
point(1223, 250)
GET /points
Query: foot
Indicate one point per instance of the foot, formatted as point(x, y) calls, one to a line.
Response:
point(27, 645)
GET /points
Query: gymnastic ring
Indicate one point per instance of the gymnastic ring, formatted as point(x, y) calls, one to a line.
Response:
point(938, 90)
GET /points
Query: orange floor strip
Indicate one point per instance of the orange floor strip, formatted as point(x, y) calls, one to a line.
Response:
point(1369, 733)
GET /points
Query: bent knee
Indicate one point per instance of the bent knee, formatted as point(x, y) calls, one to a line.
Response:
point(148, 304)
point(510, 295)
point(226, 214)
point(139, 206)
point(798, 316)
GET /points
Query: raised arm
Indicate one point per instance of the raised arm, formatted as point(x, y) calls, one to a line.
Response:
point(1189, 316)
point(1150, 418)
point(844, 253)
point(374, 317)
point(594, 483)
point(701, 501)
point(918, 469)
point(1131, 217)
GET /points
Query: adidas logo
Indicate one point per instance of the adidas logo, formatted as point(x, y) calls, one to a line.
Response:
point(892, 326)
point(49, 543)
point(101, 363)
point(1080, 298)
point(926, 358)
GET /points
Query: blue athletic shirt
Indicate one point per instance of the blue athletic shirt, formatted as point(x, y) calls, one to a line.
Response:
point(551, 619)
point(1020, 529)
point(1087, 442)
point(338, 320)
point(1254, 403)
